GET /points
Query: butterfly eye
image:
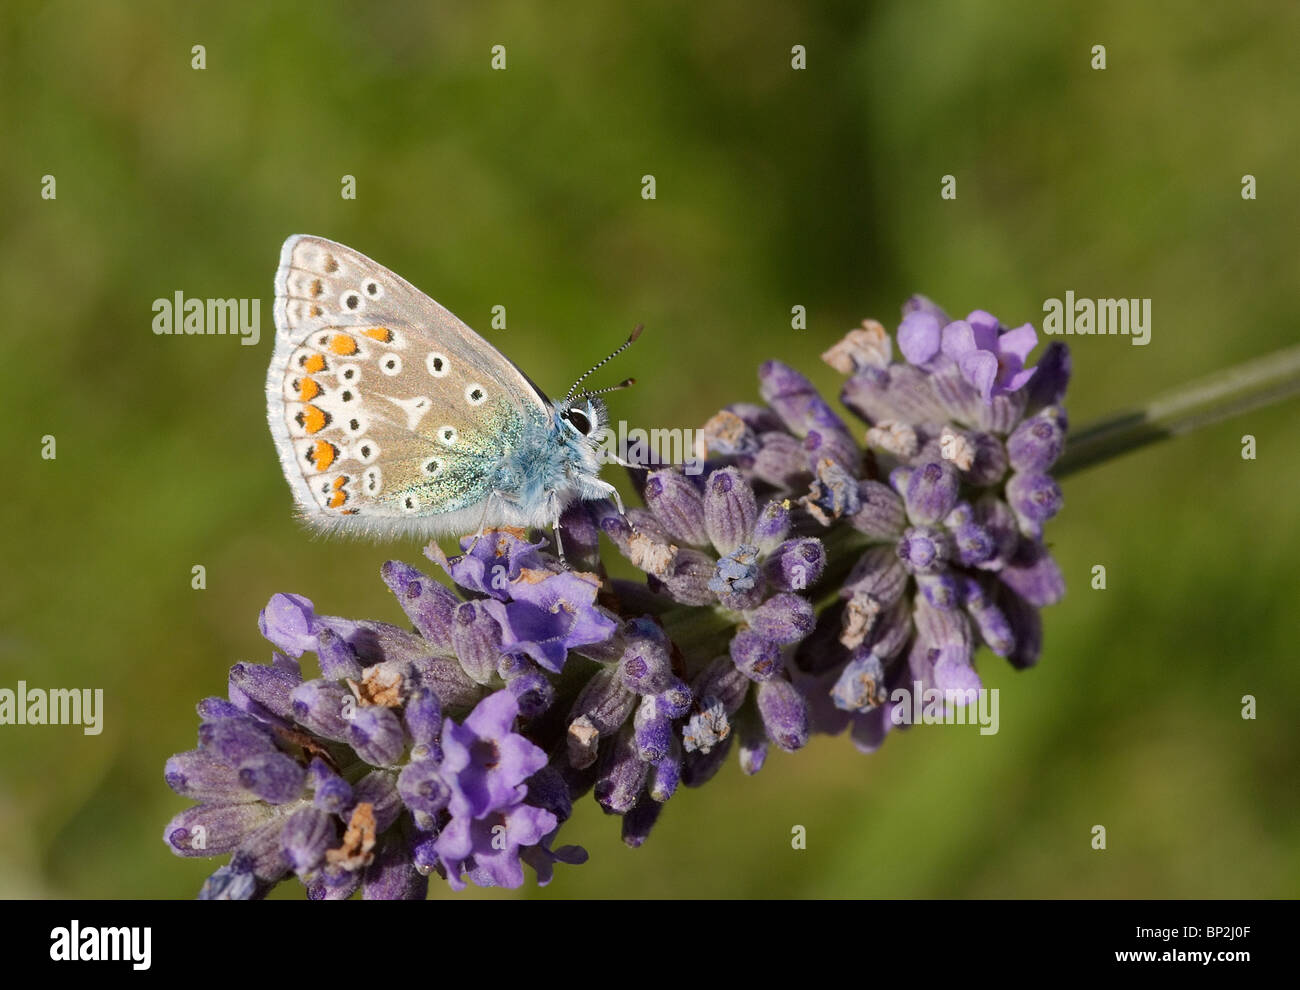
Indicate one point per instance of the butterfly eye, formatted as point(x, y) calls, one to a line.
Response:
point(578, 421)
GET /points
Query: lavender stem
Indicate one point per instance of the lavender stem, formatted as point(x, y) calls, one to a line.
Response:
point(1240, 389)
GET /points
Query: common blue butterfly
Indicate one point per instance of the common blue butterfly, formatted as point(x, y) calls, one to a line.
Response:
point(393, 418)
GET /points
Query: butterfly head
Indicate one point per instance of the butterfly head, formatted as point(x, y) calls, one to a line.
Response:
point(583, 418)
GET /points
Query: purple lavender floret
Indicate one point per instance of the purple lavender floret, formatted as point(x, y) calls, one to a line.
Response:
point(805, 582)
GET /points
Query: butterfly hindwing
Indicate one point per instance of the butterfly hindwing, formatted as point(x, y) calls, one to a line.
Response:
point(389, 413)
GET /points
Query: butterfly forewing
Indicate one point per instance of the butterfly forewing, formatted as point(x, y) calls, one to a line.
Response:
point(385, 407)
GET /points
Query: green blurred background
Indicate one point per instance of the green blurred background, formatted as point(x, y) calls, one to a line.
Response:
point(775, 187)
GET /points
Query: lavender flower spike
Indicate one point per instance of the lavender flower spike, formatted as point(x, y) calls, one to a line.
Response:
point(788, 589)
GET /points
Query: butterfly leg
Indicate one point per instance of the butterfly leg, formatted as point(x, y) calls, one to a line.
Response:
point(554, 506)
point(487, 504)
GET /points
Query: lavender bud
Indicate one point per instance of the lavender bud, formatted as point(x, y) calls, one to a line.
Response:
point(234, 740)
point(447, 679)
point(288, 621)
point(235, 881)
point(752, 747)
point(534, 692)
point(307, 834)
point(687, 577)
point(675, 700)
point(861, 687)
point(877, 573)
point(995, 517)
point(784, 618)
point(923, 550)
point(723, 681)
point(214, 829)
point(780, 460)
point(666, 774)
point(476, 637)
point(621, 777)
point(548, 790)
point(276, 778)
point(1034, 498)
point(931, 492)
point(730, 510)
point(422, 787)
point(773, 525)
point(784, 713)
point(832, 445)
point(376, 735)
point(338, 658)
point(1033, 574)
point(1051, 376)
point(267, 686)
point(891, 630)
point(678, 506)
point(795, 565)
point(333, 884)
point(991, 621)
point(391, 876)
point(331, 792)
point(210, 709)
point(653, 733)
point(604, 701)
point(1026, 627)
point(755, 656)
point(201, 776)
point(378, 788)
point(426, 603)
point(423, 716)
point(880, 514)
point(320, 706)
point(789, 394)
point(940, 590)
point(638, 822)
point(942, 629)
point(645, 667)
point(972, 543)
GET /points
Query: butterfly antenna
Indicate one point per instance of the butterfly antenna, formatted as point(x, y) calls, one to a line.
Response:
point(604, 361)
point(625, 383)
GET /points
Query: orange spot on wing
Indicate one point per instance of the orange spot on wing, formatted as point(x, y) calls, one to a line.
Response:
point(381, 334)
point(308, 389)
point(323, 454)
point(340, 481)
point(343, 344)
point(313, 419)
point(314, 363)
point(337, 499)
point(316, 288)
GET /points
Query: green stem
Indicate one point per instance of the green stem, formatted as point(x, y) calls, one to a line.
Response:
point(1229, 393)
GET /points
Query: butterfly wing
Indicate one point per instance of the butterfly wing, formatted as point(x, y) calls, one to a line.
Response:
point(388, 412)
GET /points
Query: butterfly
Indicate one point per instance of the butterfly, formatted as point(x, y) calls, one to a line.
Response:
point(393, 418)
